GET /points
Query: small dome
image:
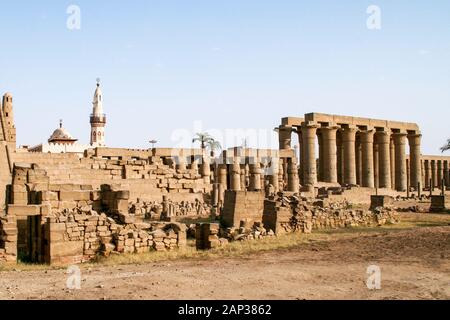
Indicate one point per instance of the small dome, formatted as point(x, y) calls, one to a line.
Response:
point(61, 134)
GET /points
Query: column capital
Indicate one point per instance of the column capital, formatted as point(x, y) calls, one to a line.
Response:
point(367, 136)
point(331, 126)
point(399, 137)
point(414, 138)
point(349, 128)
point(383, 136)
point(310, 125)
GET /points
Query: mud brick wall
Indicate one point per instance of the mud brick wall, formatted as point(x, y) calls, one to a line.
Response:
point(242, 206)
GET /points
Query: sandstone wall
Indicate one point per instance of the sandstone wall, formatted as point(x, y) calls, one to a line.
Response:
point(240, 206)
point(147, 179)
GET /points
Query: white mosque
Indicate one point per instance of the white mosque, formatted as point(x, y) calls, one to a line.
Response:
point(61, 141)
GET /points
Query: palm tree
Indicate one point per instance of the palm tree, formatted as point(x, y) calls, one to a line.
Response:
point(207, 142)
point(446, 147)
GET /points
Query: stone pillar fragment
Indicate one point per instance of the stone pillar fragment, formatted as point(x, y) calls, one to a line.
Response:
point(274, 171)
point(235, 175)
point(255, 176)
point(293, 185)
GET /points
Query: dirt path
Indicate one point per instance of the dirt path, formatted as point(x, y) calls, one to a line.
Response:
point(415, 264)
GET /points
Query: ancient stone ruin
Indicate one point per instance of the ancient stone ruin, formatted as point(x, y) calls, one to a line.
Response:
point(73, 206)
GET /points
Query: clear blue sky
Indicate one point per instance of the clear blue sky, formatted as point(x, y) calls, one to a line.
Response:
point(231, 64)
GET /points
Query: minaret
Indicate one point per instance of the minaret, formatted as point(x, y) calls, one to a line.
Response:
point(98, 119)
point(9, 128)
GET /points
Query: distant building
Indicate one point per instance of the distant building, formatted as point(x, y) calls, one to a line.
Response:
point(61, 141)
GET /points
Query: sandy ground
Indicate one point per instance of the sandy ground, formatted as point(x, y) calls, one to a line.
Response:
point(415, 264)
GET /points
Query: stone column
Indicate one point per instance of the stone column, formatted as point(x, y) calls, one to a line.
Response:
point(309, 130)
point(384, 159)
point(243, 178)
point(440, 173)
point(329, 154)
point(414, 159)
point(302, 152)
point(392, 149)
point(422, 173)
point(281, 184)
point(427, 166)
point(367, 161)
point(235, 175)
point(376, 166)
point(446, 174)
point(255, 176)
point(222, 180)
point(433, 174)
point(293, 185)
point(400, 161)
point(358, 161)
point(274, 174)
point(340, 159)
point(321, 158)
point(181, 162)
point(205, 170)
point(285, 137)
point(348, 141)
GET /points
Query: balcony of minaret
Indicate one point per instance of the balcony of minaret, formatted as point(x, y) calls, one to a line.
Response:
point(98, 118)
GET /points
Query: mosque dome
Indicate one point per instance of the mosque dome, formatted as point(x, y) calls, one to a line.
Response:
point(61, 135)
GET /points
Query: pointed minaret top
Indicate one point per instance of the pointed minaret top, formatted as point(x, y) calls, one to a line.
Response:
point(98, 100)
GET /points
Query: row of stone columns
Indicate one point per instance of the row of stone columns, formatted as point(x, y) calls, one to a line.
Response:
point(436, 171)
point(352, 155)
